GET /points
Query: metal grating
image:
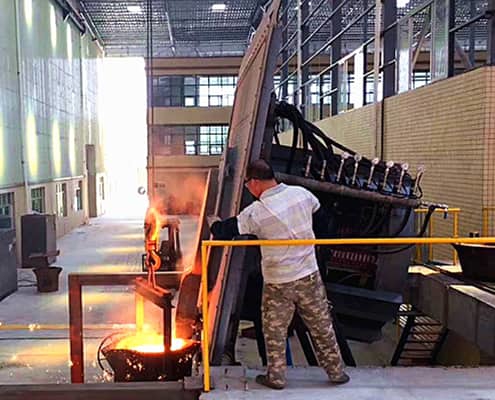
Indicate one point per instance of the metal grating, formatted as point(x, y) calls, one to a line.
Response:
point(180, 27)
point(185, 28)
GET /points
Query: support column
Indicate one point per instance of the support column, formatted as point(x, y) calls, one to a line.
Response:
point(336, 55)
point(451, 39)
point(389, 47)
point(306, 90)
point(491, 32)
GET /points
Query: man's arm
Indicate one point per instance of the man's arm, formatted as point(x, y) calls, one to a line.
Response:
point(320, 223)
point(225, 229)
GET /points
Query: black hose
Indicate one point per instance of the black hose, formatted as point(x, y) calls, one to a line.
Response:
point(403, 223)
point(431, 209)
point(371, 220)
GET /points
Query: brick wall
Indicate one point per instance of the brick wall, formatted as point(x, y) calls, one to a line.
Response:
point(443, 126)
point(355, 129)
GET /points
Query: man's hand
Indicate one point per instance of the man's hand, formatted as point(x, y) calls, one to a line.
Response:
point(211, 219)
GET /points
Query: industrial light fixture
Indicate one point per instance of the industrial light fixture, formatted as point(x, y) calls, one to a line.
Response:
point(402, 3)
point(218, 7)
point(135, 9)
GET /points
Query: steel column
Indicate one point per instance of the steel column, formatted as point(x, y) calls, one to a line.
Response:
point(389, 47)
point(336, 54)
point(305, 89)
point(284, 72)
point(491, 32)
point(299, 60)
point(451, 39)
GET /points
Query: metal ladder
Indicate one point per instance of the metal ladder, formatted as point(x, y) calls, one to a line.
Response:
point(421, 339)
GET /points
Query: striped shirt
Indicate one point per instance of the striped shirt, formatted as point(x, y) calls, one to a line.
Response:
point(283, 212)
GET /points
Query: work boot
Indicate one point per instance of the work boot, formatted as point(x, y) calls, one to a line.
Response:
point(263, 380)
point(344, 378)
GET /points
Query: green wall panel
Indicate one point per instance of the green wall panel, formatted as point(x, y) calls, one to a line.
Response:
point(10, 128)
point(58, 112)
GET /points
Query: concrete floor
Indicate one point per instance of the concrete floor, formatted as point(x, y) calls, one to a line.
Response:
point(366, 384)
point(115, 244)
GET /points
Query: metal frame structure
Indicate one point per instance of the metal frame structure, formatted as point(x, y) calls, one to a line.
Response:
point(376, 44)
point(182, 28)
point(76, 283)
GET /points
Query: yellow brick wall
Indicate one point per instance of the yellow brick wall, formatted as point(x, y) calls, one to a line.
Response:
point(442, 126)
point(355, 129)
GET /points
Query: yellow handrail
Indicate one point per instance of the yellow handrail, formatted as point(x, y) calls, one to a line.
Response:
point(486, 211)
point(455, 230)
point(205, 244)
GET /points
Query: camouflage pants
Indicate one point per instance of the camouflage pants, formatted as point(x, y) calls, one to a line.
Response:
point(308, 297)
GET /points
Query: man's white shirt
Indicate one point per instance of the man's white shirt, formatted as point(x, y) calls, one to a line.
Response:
point(283, 212)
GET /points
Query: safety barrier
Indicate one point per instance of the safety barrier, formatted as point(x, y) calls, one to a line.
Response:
point(455, 231)
point(486, 221)
point(206, 244)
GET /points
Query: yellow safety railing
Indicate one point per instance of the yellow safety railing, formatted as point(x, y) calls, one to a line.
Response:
point(486, 221)
point(206, 244)
point(455, 231)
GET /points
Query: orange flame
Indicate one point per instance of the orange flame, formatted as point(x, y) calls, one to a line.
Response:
point(149, 342)
point(153, 219)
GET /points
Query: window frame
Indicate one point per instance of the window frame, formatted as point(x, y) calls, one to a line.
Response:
point(7, 207)
point(41, 197)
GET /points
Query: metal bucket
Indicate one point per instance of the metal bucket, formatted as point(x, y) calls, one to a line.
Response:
point(47, 278)
point(134, 366)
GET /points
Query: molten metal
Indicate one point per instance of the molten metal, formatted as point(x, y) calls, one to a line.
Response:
point(140, 357)
point(148, 342)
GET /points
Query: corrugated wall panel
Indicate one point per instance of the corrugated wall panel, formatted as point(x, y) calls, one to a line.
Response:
point(10, 126)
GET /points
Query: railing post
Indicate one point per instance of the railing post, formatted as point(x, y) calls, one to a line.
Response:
point(204, 293)
point(75, 333)
point(456, 232)
point(484, 229)
point(430, 234)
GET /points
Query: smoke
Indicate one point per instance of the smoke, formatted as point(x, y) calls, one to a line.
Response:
point(179, 193)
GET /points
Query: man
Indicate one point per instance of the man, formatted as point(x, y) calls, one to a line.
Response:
point(291, 277)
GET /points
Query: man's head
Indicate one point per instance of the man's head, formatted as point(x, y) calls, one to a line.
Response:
point(259, 177)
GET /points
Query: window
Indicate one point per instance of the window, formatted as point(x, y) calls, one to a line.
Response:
point(61, 199)
point(7, 210)
point(38, 200)
point(193, 91)
point(212, 139)
point(78, 202)
point(189, 139)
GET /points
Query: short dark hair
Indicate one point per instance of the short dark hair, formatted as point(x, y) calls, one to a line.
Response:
point(260, 169)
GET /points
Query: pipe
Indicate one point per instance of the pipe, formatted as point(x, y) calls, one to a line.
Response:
point(22, 113)
point(342, 190)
